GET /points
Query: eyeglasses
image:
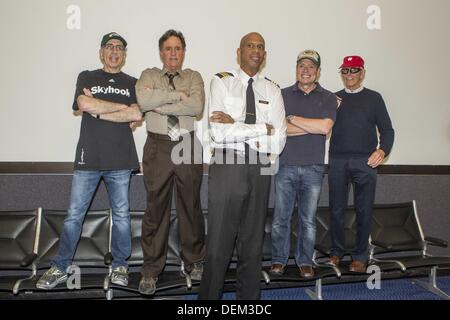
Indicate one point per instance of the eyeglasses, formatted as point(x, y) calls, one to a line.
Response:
point(351, 70)
point(111, 47)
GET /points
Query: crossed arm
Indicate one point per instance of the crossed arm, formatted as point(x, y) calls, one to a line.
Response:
point(223, 128)
point(294, 130)
point(109, 111)
point(298, 125)
point(166, 102)
point(191, 103)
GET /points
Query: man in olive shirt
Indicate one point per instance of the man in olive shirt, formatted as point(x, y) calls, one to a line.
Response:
point(171, 99)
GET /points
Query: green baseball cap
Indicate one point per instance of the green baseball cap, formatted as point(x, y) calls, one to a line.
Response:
point(113, 35)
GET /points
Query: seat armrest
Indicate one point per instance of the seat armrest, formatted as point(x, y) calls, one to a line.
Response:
point(328, 266)
point(108, 258)
point(381, 244)
point(436, 242)
point(29, 259)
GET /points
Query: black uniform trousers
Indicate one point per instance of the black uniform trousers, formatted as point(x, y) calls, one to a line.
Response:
point(237, 209)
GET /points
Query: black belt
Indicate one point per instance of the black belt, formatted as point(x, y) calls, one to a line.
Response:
point(238, 152)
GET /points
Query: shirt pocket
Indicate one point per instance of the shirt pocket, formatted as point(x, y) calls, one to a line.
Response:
point(263, 108)
point(184, 87)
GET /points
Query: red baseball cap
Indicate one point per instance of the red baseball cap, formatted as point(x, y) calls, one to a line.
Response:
point(353, 62)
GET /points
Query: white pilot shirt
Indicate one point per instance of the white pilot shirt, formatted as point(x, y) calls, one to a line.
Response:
point(228, 94)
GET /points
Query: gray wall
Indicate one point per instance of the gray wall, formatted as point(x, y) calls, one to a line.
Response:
point(21, 192)
point(43, 56)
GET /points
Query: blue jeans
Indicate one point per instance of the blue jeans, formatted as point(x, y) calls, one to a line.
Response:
point(303, 183)
point(84, 184)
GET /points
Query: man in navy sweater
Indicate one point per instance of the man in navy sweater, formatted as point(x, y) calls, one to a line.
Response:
point(356, 150)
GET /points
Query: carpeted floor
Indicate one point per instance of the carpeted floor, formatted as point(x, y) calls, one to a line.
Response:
point(400, 289)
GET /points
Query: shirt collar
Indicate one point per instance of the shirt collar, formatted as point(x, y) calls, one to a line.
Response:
point(245, 77)
point(318, 88)
point(164, 71)
point(354, 91)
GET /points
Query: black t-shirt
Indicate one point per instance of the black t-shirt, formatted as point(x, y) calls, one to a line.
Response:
point(105, 145)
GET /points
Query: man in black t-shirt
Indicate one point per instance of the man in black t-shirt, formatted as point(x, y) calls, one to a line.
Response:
point(105, 150)
point(356, 151)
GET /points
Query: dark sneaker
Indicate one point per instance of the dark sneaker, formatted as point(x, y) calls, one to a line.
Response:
point(196, 271)
point(277, 269)
point(119, 276)
point(51, 278)
point(147, 285)
point(306, 272)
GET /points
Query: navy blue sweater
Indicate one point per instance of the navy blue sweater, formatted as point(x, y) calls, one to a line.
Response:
point(355, 130)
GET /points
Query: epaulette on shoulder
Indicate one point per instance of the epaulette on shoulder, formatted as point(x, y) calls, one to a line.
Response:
point(224, 74)
point(272, 81)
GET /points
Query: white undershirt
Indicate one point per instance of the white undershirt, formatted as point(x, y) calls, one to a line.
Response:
point(354, 91)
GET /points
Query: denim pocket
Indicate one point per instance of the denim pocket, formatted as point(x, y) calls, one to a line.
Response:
point(319, 168)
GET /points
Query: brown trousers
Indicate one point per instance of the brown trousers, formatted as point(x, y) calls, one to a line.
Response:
point(160, 175)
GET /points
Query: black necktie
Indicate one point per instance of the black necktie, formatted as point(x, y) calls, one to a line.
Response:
point(173, 127)
point(250, 112)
